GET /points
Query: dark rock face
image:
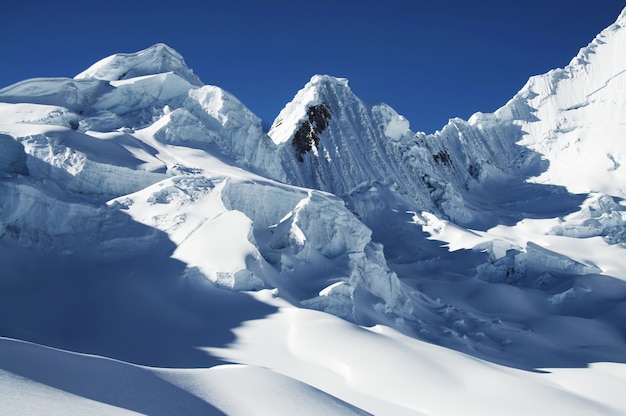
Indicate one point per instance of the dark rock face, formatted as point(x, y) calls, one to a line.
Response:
point(443, 157)
point(307, 135)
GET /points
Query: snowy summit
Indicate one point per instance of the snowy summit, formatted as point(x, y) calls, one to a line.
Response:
point(160, 253)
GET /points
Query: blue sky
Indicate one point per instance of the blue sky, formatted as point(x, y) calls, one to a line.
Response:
point(429, 60)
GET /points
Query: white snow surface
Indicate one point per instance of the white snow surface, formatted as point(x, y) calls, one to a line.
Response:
point(576, 117)
point(161, 254)
point(156, 59)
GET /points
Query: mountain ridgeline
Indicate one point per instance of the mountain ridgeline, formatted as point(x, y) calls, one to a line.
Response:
point(340, 206)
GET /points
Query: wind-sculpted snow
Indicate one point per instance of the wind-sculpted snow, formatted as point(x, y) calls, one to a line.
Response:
point(125, 389)
point(181, 128)
point(323, 253)
point(75, 96)
point(143, 92)
point(39, 216)
point(190, 211)
point(154, 221)
point(38, 114)
point(81, 163)
point(156, 59)
point(284, 244)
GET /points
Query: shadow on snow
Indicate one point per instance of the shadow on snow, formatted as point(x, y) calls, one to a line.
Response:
point(135, 306)
point(567, 321)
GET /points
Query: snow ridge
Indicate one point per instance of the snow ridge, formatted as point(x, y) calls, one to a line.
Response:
point(155, 222)
point(363, 145)
point(156, 59)
point(575, 116)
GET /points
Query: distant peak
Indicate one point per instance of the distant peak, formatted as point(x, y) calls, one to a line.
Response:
point(327, 79)
point(160, 49)
point(323, 86)
point(156, 59)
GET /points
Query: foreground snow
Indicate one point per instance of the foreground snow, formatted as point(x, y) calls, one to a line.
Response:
point(303, 362)
point(161, 254)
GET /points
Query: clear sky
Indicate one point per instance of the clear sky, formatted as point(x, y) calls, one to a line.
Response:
point(430, 60)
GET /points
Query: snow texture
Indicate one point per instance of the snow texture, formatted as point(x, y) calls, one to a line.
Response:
point(151, 232)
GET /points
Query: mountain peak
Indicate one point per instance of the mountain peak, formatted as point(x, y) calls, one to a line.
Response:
point(324, 80)
point(321, 92)
point(156, 59)
point(150, 225)
point(327, 89)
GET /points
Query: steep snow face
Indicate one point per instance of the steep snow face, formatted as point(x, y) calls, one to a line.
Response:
point(563, 128)
point(82, 163)
point(156, 59)
point(42, 218)
point(324, 255)
point(238, 130)
point(330, 140)
point(295, 112)
point(189, 209)
point(74, 95)
point(576, 117)
point(115, 137)
point(244, 235)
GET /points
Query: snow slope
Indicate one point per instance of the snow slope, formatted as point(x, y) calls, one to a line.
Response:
point(577, 121)
point(39, 380)
point(160, 253)
point(303, 362)
point(157, 59)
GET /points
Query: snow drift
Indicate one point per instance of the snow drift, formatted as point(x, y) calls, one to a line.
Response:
point(146, 217)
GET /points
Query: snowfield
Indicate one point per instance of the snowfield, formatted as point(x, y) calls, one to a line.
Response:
point(161, 254)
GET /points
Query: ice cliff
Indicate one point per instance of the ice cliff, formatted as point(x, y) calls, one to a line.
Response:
point(340, 206)
point(141, 134)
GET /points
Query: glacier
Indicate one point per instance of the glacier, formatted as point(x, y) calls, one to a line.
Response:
point(150, 227)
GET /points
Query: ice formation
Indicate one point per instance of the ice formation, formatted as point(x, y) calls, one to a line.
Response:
point(501, 236)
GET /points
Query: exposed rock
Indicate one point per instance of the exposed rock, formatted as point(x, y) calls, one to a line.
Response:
point(307, 136)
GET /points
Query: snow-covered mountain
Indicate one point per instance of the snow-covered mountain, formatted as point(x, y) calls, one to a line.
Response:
point(151, 232)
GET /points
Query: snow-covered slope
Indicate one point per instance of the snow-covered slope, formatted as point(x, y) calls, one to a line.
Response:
point(577, 117)
point(146, 217)
point(329, 139)
point(303, 362)
point(158, 59)
point(37, 380)
point(566, 127)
